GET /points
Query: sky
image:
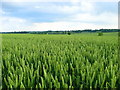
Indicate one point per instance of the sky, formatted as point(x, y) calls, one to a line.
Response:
point(38, 15)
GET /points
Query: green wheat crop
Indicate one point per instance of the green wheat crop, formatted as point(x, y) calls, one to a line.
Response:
point(60, 61)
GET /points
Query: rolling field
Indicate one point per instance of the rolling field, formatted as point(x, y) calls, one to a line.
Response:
point(60, 61)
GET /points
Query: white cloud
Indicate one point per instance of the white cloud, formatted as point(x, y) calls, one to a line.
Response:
point(60, 0)
point(20, 25)
point(58, 9)
point(13, 20)
point(93, 0)
point(107, 17)
point(75, 20)
point(12, 23)
point(67, 26)
point(87, 6)
point(55, 8)
point(1, 12)
point(66, 9)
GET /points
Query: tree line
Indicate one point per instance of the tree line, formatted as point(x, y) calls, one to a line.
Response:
point(63, 32)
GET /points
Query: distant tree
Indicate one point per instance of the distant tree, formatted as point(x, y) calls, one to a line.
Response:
point(69, 33)
point(100, 34)
point(64, 32)
point(119, 34)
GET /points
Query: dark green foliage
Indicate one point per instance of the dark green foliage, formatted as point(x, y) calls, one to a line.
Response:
point(62, 32)
point(119, 34)
point(69, 33)
point(100, 34)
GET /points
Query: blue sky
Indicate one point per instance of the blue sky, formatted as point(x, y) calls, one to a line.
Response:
point(42, 16)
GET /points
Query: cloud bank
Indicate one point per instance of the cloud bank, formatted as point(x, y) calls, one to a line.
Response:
point(22, 15)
